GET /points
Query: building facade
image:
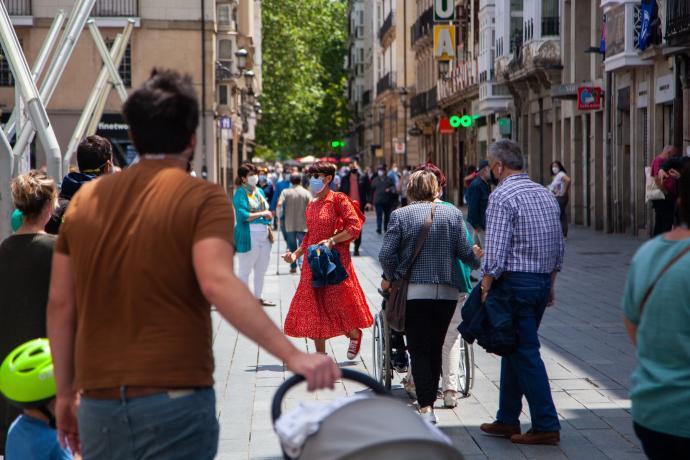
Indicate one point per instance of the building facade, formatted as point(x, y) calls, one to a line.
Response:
point(180, 35)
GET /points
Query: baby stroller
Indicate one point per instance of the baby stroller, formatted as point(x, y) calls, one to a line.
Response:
point(357, 429)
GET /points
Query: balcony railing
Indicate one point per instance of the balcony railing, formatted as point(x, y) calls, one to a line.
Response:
point(386, 26)
point(550, 26)
point(116, 8)
point(423, 26)
point(385, 83)
point(18, 7)
point(678, 20)
point(424, 102)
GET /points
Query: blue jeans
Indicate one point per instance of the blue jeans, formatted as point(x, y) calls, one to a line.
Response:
point(523, 372)
point(173, 425)
point(383, 215)
point(294, 240)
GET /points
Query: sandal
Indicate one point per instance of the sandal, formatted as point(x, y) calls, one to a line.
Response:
point(267, 303)
point(353, 349)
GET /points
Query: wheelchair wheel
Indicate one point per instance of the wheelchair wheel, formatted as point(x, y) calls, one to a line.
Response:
point(378, 348)
point(387, 368)
point(466, 374)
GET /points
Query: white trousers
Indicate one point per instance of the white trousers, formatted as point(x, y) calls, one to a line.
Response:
point(450, 357)
point(257, 260)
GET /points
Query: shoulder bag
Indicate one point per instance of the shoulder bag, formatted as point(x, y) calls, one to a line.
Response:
point(652, 192)
point(648, 293)
point(397, 302)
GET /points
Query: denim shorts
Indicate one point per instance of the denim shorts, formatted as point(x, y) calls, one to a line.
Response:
point(171, 425)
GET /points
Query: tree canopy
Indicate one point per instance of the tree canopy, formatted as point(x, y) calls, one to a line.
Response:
point(304, 81)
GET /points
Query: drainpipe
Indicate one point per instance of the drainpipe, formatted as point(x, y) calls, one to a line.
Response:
point(203, 82)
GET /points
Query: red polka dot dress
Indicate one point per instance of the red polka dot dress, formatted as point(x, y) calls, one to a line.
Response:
point(322, 313)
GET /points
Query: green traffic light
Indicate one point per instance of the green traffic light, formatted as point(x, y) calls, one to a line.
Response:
point(337, 144)
point(455, 121)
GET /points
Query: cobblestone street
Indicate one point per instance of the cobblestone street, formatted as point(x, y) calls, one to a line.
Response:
point(587, 353)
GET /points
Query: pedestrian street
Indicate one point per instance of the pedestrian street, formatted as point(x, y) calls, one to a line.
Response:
point(587, 354)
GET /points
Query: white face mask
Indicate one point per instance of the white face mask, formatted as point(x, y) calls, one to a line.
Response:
point(555, 170)
point(380, 173)
point(252, 180)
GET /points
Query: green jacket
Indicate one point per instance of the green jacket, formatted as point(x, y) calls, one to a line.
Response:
point(240, 201)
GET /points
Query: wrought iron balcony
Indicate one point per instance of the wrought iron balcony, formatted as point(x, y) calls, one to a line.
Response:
point(550, 26)
point(385, 83)
point(423, 26)
point(116, 8)
point(677, 22)
point(387, 25)
point(424, 102)
point(18, 7)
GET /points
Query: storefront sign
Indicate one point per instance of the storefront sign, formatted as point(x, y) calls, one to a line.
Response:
point(444, 42)
point(665, 89)
point(444, 10)
point(565, 91)
point(444, 126)
point(589, 98)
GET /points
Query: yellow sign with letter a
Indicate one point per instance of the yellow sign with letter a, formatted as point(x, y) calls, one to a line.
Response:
point(444, 42)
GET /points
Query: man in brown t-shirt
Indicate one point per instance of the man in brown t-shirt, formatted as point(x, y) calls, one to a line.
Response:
point(140, 257)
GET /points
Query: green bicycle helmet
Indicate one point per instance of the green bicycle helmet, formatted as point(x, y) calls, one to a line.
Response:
point(26, 374)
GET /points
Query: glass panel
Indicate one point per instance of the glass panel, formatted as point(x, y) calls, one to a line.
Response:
point(225, 49)
point(224, 15)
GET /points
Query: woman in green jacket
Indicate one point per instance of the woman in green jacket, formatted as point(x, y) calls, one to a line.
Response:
point(253, 237)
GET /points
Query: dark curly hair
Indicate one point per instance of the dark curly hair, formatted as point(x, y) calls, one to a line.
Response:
point(163, 113)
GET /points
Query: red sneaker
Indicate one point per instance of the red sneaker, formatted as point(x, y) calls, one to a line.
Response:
point(355, 344)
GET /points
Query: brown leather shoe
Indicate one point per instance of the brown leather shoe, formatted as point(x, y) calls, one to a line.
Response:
point(537, 437)
point(500, 429)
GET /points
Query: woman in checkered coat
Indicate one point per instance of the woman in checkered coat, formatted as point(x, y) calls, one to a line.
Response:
point(434, 282)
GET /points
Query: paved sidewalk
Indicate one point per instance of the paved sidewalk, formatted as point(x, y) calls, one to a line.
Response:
point(586, 350)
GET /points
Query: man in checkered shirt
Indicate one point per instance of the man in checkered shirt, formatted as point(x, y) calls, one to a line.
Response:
point(523, 254)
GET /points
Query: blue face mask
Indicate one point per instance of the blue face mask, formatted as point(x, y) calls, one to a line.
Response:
point(262, 178)
point(316, 185)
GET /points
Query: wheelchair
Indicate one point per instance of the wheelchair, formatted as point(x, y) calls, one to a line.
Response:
point(386, 343)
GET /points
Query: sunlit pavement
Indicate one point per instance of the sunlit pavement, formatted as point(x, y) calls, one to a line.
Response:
point(587, 353)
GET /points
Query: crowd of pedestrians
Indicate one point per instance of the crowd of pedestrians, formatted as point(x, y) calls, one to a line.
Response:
point(119, 272)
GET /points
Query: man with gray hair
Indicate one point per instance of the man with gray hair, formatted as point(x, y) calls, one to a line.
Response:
point(523, 253)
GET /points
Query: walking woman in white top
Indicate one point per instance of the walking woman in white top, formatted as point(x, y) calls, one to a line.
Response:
point(560, 187)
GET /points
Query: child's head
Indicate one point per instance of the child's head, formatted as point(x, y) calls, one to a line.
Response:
point(27, 379)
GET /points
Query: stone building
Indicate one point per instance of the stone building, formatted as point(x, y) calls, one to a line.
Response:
point(190, 37)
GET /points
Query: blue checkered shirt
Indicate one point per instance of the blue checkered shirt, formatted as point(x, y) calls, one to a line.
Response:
point(523, 230)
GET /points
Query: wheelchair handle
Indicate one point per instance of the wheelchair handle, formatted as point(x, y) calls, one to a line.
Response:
point(348, 374)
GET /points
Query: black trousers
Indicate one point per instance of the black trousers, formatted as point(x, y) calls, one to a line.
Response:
point(660, 446)
point(426, 324)
point(562, 203)
point(663, 215)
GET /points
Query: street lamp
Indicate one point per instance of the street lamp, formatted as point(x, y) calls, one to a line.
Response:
point(241, 58)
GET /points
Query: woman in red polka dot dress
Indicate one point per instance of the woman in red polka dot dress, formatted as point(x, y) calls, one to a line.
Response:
point(330, 311)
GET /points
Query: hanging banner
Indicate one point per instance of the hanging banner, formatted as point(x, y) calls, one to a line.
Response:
point(444, 10)
point(444, 42)
point(647, 10)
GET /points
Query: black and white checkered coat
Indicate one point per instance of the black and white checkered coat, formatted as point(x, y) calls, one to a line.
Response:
point(446, 242)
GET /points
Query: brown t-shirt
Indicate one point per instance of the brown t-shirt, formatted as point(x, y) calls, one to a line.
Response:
point(141, 317)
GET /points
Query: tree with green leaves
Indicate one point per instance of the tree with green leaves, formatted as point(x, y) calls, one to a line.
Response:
point(303, 102)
